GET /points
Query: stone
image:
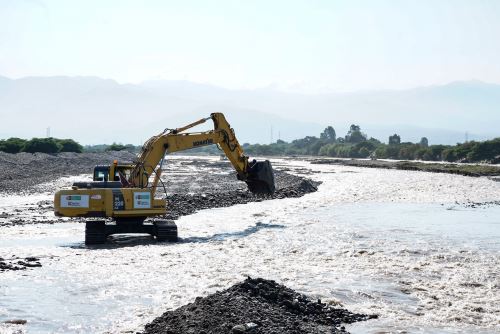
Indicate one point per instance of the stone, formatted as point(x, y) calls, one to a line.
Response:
point(238, 329)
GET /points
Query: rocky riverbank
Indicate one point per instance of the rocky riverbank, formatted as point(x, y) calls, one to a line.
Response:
point(191, 184)
point(20, 172)
point(287, 185)
point(460, 169)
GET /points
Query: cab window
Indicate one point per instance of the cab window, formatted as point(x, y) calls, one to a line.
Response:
point(125, 172)
point(101, 174)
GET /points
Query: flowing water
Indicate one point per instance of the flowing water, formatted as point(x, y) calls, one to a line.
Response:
point(401, 244)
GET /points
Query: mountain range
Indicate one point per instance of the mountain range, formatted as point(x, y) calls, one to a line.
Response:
point(92, 110)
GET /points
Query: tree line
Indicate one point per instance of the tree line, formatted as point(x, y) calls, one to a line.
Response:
point(55, 145)
point(44, 145)
point(356, 144)
point(112, 147)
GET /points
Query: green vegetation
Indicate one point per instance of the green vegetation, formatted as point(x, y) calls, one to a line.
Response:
point(121, 147)
point(43, 145)
point(112, 147)
point(355, 144)
point(12, 145)
point(69, 145)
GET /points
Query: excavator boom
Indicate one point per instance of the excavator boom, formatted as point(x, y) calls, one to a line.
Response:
point(258, 175)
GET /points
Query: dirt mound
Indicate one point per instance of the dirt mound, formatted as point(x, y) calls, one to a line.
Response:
point(255, 306)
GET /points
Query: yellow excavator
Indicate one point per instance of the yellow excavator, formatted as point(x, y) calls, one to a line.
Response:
point(122, 196)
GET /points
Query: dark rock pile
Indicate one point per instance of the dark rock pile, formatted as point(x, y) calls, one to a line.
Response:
point(474, 205)
point(255, 306)
point(20, 172)
point(212, 191)
point(287, 185)
point(17, 264)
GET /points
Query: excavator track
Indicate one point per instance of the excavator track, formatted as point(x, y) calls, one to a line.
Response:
point(95, 232)
point(165, 230)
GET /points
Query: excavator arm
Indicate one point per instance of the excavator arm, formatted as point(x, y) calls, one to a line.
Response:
point(258, 175)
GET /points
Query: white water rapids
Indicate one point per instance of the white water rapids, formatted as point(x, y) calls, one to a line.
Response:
point(399, 244)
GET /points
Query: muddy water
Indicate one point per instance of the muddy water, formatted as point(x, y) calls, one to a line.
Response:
point(397, 243)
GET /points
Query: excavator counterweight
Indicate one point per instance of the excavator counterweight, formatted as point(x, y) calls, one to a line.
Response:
point(125, 193)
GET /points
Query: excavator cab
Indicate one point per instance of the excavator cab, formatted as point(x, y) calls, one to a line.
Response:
point(260, 178)
point(102, 172)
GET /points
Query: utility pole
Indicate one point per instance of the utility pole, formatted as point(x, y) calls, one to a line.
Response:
point(48, 132)
point(466, 136)
point(271, 133)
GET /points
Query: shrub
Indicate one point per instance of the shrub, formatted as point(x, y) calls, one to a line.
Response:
point(12, 145)
point(363, 152)
point(116, 147)
point(69, 145)
point(436, 152)
point(449, 155)
point(43, 145)
point(486, 150)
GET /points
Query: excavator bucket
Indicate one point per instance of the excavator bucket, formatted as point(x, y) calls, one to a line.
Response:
point(260, 178)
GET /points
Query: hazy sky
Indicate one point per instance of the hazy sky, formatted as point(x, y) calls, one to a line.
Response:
point(302, 45)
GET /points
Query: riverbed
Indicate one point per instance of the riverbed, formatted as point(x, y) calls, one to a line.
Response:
point(419, 249)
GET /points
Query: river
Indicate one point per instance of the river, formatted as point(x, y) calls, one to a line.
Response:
point(409, 246)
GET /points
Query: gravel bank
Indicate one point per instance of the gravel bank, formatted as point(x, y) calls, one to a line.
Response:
point(460, 169)
point(19, 173)
point(191, 184)
point(287, 185)
point(254, 306)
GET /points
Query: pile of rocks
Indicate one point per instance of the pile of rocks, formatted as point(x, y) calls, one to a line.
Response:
point(254, 306)
point(287, 185)
point(20, 172)
point(18, 264)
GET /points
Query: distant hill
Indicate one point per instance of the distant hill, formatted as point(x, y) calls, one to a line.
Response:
point(94, 110)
